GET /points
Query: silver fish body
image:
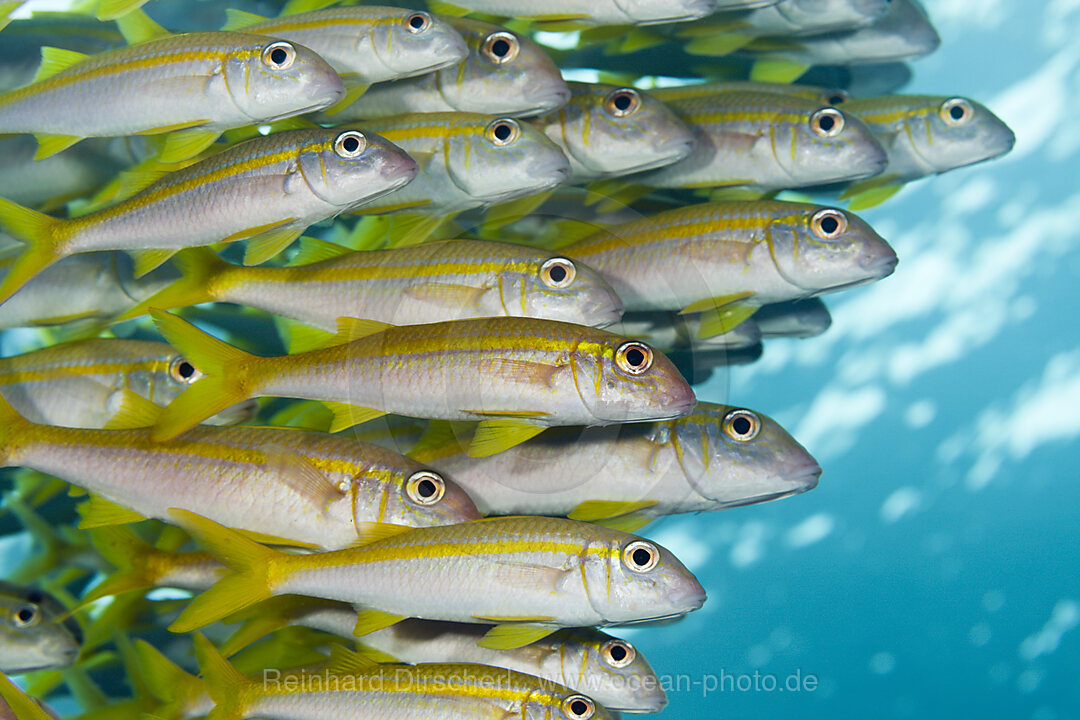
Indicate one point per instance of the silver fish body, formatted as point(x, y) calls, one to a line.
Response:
point(35, 632)
point(504, 74)
point(668, 332)
point(598, 12)
point(607, 130)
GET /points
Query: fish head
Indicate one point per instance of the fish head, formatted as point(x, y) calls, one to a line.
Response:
point(636, 580)
point(35, 631)
point(957, 132)
point(416, 43)
point(903, 32)
point(423, 498)
point(554, 287)
point(823, 144)
point(500, 159)
point(734, 456)
point(620, 380)
point(829, 14)
point(272, 79)
point(613, 672)
point(821, 249)
point(504, 74)
point(348, 167)
point(612, 130)
point(646, 12)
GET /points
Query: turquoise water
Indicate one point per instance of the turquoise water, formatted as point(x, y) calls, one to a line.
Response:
point(934, 571)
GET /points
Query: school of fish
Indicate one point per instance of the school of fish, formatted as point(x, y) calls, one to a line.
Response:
point(345, 349)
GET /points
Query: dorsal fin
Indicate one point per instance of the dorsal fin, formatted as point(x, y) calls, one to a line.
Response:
point(54, 59)
point(313, 250)
point(136, 27)
point(238, 19)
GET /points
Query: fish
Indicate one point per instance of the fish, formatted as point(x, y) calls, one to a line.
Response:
point(514, 375)
point(805, 318)
point(767, 142)
point(717, 457)
point(138, 565)
point(365, 45)
point(668, 331)
point(609, 670)
point(925, 135)
point(726, 259)
point(20, 53)
point(297, 487)
point(904, 32)
point(195, 85)
point(82, 384)
point(431, 282)
point(466, 161)
point(587, 12)
point(526, 576)
point(79, 291)
point(354, 686)
point(815, 93)
point(36, 631)
point(607, 130)
point(505, 74)
point(232, 195)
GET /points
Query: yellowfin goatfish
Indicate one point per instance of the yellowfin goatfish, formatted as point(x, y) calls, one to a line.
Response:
point(588, 12)
point(82, 384)
point(516, 375)
point(36, 632)
point(504, 74)
point(607, 669)
point(902, 33)
point(55, 180)
point(528, 576)
point(767, 141)
point(607, 130)
point(715, 458)
point(367, 44)
point(291, 485)
point(199, 83)
point(266, 190)
point(729, 258)
point(141, 566)
point(79, 289)
point(20, 53)
point(403, 286)
point(468, 160)
point(352, 686)
point(924, 135)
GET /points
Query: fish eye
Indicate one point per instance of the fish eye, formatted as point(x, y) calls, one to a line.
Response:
point(279, 55)
point(742, 425)
point(500, 47)
point(26, 616)
point(641, 556)
point(578, 707)
point(836, 97)
point(557, 272)
point(828, 224)
point(827, 122)
point(425, 488)
point(956, 111)
point(418, 22)
point(622, 102)
point(350, 144)
point(503, 131)
point(634, 357)
point(182, 371)
point(617, 653)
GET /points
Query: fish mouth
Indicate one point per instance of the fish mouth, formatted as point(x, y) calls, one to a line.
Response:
point(396, 184)
point(553, 99)
point(667, 154)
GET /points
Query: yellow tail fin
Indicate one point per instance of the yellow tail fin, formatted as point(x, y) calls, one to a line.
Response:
point(10, 419)
point(250, 584)
point(227, 687)
point(198, 267)
point(222, 385)
point(166, 681)
point(128, 554)
point(20, 703)
point(38, 232)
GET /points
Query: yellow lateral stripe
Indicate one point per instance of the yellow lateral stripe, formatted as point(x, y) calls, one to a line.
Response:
point(18, 375)
point(377, 271)
point(301, 22)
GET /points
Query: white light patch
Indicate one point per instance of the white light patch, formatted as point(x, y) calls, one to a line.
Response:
point(558, 40)
point(1064, 617)
point(691, 551)
point(812, 530)
point(831, 424)
point(920, 414)
point(900, 503)
point(750, 546)
point(584, 75)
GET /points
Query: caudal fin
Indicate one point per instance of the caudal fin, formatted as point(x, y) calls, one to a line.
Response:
point(38, 232)
point(128, 554)
point(198, 267)
point(250, 583)
point(20, 703)
point(10, 420)
point(224, 683)
point(221, 386)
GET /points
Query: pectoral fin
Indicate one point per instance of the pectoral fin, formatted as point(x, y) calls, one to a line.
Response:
point(714, 302)
point(307, 480)
point(630, 523)
point(49, 145)
point(148, 260)
point(777, 70)
point(724, 320)
point(345, 415)
point(313, 250)
point(446, 294)
point(134, 411)
point(864, 195)
point(100, 512)
point(353, 92)
point(186, 144)
point(267, 244)
point(717, 44)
